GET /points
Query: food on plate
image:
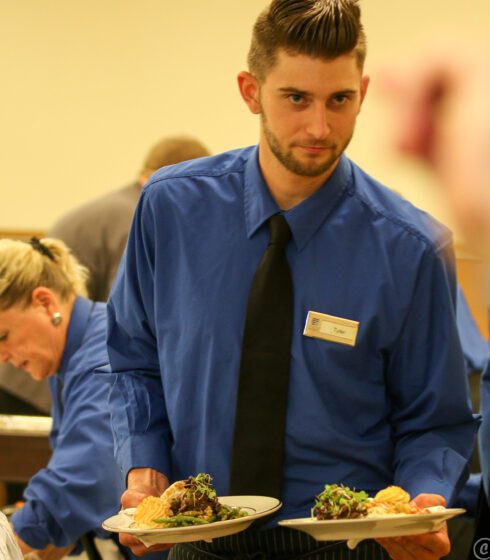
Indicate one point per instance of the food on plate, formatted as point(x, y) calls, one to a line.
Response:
point(192, 501)
point(393, 500)
point(340, 502)
point(149, 509)
point(392, 495)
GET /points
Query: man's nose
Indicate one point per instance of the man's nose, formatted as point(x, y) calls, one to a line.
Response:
point(318, 125)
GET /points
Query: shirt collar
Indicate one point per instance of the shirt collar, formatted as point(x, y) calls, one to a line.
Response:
point(80, 315)
point(305, 218)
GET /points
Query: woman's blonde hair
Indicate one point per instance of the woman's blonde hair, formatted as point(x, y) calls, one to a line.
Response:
point(25, 266)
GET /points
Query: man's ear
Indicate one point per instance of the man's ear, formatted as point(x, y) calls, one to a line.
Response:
point(249, 90)
point(364, 87)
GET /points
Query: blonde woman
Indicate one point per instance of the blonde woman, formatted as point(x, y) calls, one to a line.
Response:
point(52, 331)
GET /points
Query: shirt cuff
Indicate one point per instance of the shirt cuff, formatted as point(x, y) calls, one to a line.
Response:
point(144, 451)
point(468, 497)
point(454, 475)
point(30, 523)
point(426, 485)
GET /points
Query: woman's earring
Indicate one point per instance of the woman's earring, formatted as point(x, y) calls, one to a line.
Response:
point(56, 318)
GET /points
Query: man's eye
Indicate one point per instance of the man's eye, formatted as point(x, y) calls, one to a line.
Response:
point(340, 99)
point(296, 99)
point(3, 337)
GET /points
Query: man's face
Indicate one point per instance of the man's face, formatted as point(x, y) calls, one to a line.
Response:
point(308, 110)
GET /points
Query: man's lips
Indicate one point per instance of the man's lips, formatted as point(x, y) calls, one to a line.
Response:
point(20, 365)
point(315, 149)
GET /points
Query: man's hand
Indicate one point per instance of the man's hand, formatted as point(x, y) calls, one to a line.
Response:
point(429, 546)
point(142, 483)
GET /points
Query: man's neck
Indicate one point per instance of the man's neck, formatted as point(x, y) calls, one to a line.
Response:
point(287, 188)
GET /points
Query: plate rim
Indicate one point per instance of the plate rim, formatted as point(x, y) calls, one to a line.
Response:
point(210, 527)
point(313, 522)
point(370, 527)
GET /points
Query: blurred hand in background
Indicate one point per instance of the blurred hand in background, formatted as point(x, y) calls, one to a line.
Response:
point(442, 116)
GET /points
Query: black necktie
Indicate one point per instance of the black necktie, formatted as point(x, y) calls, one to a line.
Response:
point(258, 445)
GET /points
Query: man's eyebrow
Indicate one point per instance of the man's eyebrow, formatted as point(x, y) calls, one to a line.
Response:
point(292, 90)
point(346, 92)
point(304, 92)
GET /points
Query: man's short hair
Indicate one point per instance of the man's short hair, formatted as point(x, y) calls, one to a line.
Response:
point(317, 28)
point(170, 150)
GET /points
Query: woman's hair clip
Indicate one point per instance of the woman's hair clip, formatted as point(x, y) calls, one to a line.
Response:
point(41, 248)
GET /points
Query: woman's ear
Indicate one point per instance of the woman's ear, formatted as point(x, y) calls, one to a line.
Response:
point(44, 298)
point(249, 90)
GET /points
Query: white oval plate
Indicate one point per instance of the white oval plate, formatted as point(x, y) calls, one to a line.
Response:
point(256, 506)
point(373, 527)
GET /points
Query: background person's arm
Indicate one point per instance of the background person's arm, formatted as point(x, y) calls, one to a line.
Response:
point(49, 553)
point(79, 488)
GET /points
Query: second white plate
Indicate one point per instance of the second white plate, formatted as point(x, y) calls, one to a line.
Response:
point(372, 527)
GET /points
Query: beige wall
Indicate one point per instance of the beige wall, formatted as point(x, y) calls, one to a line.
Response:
point(87, 87)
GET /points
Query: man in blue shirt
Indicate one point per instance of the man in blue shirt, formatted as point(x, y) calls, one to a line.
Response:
point(389, 407)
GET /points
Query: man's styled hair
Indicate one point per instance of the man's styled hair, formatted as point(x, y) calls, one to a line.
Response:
point(316, 28)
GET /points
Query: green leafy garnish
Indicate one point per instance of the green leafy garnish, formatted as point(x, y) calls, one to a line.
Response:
point(198, 504)
point(181, 521)
point(337, 502)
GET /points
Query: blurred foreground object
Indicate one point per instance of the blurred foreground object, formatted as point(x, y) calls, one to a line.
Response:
point(442, 116)
point(8, 544)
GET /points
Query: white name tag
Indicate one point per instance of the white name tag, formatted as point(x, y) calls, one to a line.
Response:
point(328, 327)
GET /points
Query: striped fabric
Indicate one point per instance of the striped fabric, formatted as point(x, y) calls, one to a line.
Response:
point(278, 544)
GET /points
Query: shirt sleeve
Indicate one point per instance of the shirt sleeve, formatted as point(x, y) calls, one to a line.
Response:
point(80, 487)
point(139, 418)
point(484, 434)
point(432, 423)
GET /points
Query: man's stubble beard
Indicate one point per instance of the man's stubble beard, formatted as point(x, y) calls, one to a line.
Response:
point(287, 159)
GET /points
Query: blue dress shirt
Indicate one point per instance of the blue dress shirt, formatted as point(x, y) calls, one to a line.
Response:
point(484, 434)
point(476, 350)
point(82, 485)
point(391, 409)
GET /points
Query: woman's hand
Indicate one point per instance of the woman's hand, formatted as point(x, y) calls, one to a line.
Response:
point(49, 553)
